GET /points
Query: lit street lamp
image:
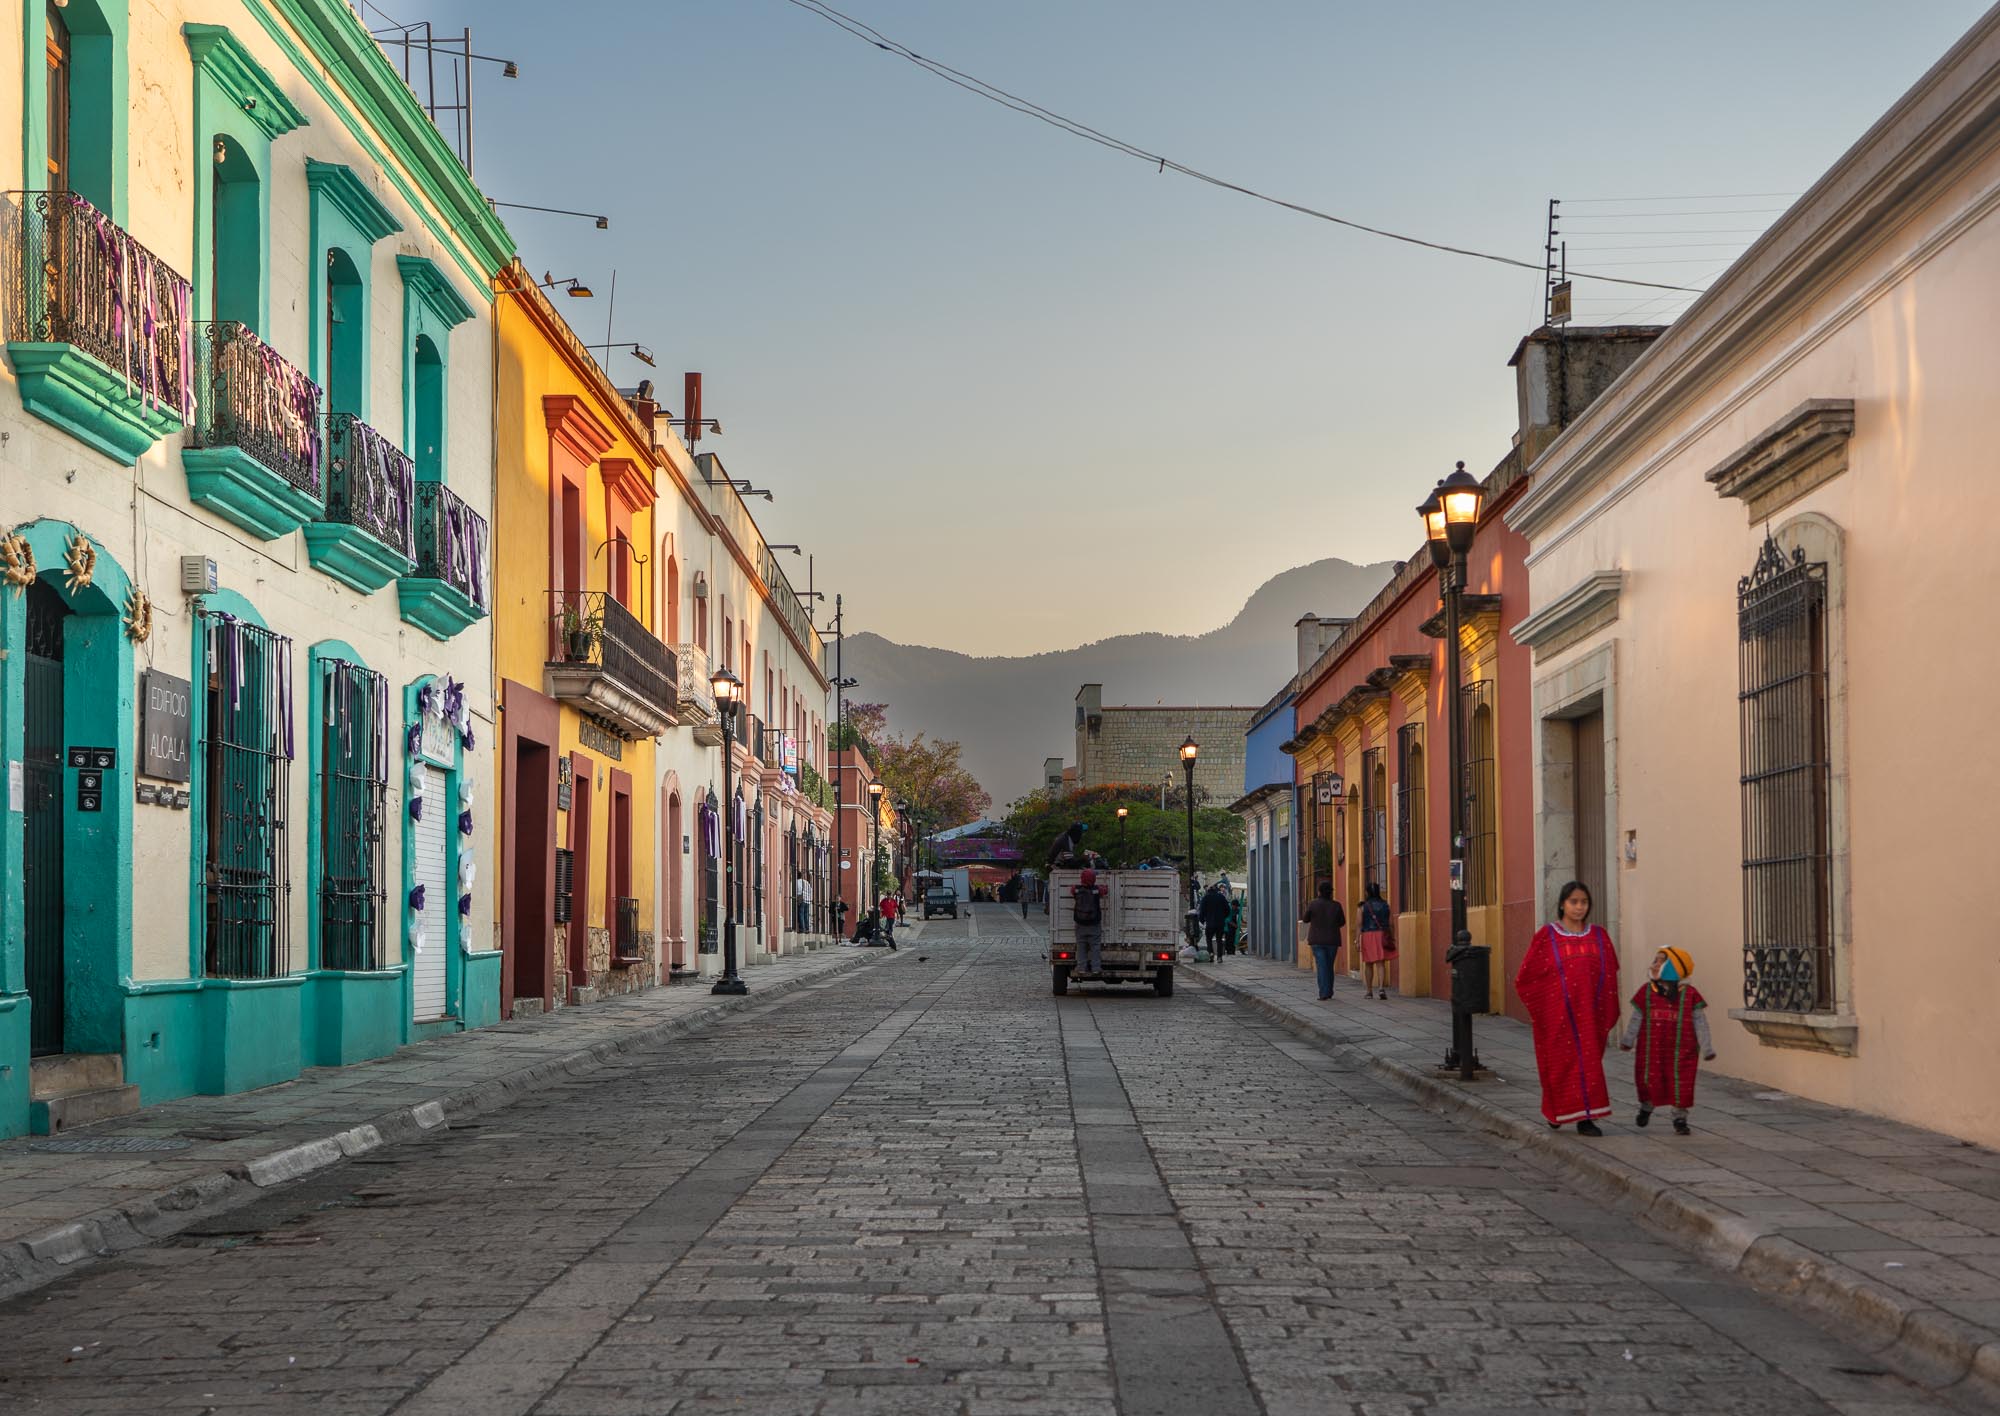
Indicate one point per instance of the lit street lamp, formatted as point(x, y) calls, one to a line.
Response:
point(728, 690)
point(1189, 751)
point(1123, 859)
point(1451, 520)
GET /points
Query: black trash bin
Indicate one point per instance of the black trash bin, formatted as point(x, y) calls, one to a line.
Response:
point(1471, 976)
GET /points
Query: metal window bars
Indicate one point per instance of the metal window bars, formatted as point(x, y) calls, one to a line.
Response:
point(626, 914)
point(1786, 782)
point(81, 280)
point(246, 755)
point(1482, 797)
point(371, 484)
point(453, 544)
point(1412, 874)
point(253, 399)
point(757, 862)
point(1374, 826)
point(353, 790)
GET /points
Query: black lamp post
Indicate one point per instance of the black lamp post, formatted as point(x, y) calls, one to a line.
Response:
point(1451, 520)
point(875, 858)
point(907, 841)
point(728, 691)
point(1123, 859)
point(1189, 751)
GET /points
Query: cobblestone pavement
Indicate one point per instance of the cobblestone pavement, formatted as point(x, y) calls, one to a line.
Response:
point(930, 1187)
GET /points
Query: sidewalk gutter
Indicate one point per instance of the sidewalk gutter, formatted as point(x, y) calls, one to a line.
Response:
point(30, 1262)
point(1940, 1349)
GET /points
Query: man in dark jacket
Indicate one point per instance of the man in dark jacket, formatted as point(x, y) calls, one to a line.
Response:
point(1324, 919)
point(1215, 918)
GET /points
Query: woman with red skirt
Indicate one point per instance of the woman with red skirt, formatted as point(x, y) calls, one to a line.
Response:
point(1569, 984)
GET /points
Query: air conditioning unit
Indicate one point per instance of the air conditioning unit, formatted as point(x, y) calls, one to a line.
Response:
point(701, 585)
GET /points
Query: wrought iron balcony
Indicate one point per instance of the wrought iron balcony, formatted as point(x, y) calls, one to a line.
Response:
point(451, 586)
point(256, 454)
point(100, 334)
point(696, 708)
point(604, 661)
point(368, 537)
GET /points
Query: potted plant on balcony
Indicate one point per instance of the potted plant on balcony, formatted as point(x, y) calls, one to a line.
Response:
point(581, 626)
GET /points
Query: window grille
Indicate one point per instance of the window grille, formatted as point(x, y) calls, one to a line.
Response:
point(711, 878)
point(246, 763)
point(1412, 825)
point(757, 862)
point(733, 846)
point(1787, 896)
point(1482, 797)
point(354, 778)
point(1324, 832)
point(1374, 823)
point(565, 884)
point(626, 916)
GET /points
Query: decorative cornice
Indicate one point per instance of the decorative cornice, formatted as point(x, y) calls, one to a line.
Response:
point(1806, 447)
point(430, 285)
point(1471, 607)
point(350, 195)
point(624, 480)
point(572, 423)
point(221, 55)
point(1588, 605)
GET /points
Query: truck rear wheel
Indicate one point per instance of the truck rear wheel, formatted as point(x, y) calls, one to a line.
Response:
point(1062, 982)
point(1163, 983)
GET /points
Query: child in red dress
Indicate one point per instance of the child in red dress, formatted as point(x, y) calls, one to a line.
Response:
point(1669, 1025)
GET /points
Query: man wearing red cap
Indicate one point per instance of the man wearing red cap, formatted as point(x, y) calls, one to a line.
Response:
point(1087, 909)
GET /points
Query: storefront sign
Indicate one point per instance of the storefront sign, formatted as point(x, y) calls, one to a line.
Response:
point(598, 740)
point(791, 755)
point(437, 740)
point(165, 716)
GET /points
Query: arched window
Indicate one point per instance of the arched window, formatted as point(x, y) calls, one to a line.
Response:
point(1482, 799)
point(671, 629)
point(235, 248)
point(427, 397)
point(674, 923)
point(346, 320)
point(1412, 821)
point(84, 74)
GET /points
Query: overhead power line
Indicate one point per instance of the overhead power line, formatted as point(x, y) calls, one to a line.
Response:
point(1027, 107)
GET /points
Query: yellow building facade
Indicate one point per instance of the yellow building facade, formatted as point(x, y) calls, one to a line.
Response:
point(583, 678)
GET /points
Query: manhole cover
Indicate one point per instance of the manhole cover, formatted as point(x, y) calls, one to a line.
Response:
point(76, 1145)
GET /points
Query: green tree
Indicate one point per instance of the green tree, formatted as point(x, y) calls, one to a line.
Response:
point(1041, 816)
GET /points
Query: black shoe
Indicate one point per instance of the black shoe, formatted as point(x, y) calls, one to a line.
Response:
point(1645, 1115)
point(1588, 1128)
point(1680, 1126)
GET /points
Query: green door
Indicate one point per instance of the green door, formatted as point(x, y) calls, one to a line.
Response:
point(42, 839)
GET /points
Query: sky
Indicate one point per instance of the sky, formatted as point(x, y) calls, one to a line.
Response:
point(1015, 391)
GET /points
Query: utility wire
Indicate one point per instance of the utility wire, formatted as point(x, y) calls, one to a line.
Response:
point(1027, 107)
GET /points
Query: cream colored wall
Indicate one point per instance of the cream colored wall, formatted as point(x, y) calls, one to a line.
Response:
point(143, 516)
point(1915, 349)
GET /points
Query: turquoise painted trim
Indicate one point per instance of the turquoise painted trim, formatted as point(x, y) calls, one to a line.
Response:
point(252, 1032)
point(228, 602)
point(163, 1040)
point(100, 147)
point(233, 484)
point(344, 216)
point(99, 706)
point(479, 1003)
point(351, 1016)
point(247, 84)
point(454, 923)
point(422, 278)
point(431, 309)
point(14, 1049)
point(353, 557)
point(61, 384)
point(325, 37)
point(436, 607)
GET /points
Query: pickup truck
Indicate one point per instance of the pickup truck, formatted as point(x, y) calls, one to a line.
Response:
point(1141, 918)
point(941, 899)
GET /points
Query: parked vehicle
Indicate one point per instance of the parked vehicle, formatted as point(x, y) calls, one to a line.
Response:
point(1141, 910)
point(941, 899)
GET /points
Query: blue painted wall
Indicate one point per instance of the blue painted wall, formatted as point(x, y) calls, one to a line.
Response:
point(1263, 764)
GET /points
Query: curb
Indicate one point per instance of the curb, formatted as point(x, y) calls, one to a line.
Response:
point(1940, 1350)
point(29, 1263)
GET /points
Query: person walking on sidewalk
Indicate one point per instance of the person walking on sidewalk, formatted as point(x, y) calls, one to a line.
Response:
point(1087, 909)
point(1214, 918)
point(889, 907)
point(1669, 1024)
point(1324, 919)
point(1378, 942)
point(1569, 984)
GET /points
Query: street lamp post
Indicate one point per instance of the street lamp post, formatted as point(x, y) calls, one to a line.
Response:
point(1189, 751)
point(1451, 520)
point(875, 858)
point(1123, 859)
point(728, 688)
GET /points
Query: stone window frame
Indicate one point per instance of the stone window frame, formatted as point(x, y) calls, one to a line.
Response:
point(1835, 1031)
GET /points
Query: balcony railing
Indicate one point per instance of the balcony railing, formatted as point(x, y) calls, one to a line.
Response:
point(253, 400)
point(82, 281)
point(601, 657)
point(697, 696)
point(755, 738)
point(452, 544)
point(370, 484)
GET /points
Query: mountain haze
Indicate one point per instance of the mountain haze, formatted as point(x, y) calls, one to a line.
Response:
point(1011, 712)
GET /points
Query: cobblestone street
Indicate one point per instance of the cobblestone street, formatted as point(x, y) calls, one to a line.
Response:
point(930, 1187)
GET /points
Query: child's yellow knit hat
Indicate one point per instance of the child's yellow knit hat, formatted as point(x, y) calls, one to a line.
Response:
point(1679, 958)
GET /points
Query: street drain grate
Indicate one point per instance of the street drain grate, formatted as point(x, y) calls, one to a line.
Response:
point(100, 1145)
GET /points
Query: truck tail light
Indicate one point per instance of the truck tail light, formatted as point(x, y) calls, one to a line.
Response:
point(1164, 958)
point(1064, 954)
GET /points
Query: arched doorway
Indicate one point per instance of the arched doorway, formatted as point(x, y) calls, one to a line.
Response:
point(674, 909)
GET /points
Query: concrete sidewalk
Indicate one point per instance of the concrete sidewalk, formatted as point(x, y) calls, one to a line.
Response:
point(126, 1182)
point(1892, 1231)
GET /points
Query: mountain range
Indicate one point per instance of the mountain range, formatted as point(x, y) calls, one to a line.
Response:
point(1010, 712)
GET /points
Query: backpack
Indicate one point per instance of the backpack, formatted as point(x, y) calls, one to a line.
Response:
point(1089, 906)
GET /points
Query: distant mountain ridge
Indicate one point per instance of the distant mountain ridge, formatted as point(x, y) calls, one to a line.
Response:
point(1010, 712)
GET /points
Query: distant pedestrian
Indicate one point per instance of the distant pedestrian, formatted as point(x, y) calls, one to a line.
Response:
point(889, 907)
point(1233, 933)
point(1324, 919)
point(1568, 982)
point(1214, 918)
point(1087, 910)
point(1669, 1024)
point(1378, 942)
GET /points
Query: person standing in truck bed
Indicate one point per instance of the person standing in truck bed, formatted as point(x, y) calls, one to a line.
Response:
point(1087, 909)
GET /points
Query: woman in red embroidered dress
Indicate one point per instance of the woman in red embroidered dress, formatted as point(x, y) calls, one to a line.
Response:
point(1569, 985)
